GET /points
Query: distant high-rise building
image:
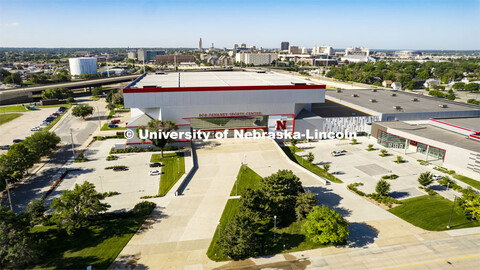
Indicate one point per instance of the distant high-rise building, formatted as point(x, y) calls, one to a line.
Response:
point(284, 46)
point(357, 51)
point(243, 45)
point(294, 50)
point(200, 44)
point(322, 50)
point(146, 56)
point(235, 46)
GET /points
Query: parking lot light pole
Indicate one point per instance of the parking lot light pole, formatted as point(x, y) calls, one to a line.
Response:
point(451, 213)
point(73, 147)
point(274, 226)
point(8, 194)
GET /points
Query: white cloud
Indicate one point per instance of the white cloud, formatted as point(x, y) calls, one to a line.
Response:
point(12, 24)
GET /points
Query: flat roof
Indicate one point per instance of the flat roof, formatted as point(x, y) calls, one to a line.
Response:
point(435, 133)
point(216, 79)
point(472, 123)
point(382, 101)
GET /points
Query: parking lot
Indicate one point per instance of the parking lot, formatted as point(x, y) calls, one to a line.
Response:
point(359, 165)
point(20, 128)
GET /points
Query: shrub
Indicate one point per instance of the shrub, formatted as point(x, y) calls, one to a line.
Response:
point(354, 141)
point(353, 187)
point(112, 157)
point(423, 162)
point(383, 153)
point(81, 158)
point(399, 160)
point(144, 208)
point(110, 194)
point(70, 100)
point(382, 188)
point(370, 147)
point(310, 157)
point(139, 150)
point(425, 179)
point(326, 226)
point(390, 176)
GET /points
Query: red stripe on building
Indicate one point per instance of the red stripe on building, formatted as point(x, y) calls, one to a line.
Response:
point(223, 88)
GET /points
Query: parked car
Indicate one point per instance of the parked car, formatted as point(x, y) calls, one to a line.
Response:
point(60, 112)
point(55, 114)
point(62, 108)
point(155, 164)
point(437, 177)
point(17, 140)
point(154, 172)
point(115, 121)
point(37, 128)
point(337, 153)
point(112, 126)
point(50, 119)
point(4, 147)
point(44, 123)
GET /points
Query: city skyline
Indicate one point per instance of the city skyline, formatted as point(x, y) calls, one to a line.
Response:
point(435, 25)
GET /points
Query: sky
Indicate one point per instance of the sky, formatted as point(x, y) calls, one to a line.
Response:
point(376, 24)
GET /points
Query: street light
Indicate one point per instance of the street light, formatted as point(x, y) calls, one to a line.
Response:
point(274, 226)
point(451, 213)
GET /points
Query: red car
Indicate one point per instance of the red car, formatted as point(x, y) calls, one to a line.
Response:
point(115, 121)
point(55, 115)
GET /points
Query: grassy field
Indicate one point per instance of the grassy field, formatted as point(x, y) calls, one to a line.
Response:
point(468, 180)
point(171, 171)
point(246, 178)
point(4, 118)
point(105, 127)
point(432, 213)
point(309, 166)
point(97, 245)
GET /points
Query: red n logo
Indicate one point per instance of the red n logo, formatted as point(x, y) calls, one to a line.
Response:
point(281, 125)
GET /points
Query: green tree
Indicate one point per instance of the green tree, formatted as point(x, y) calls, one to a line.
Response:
point(310, 157)
point(458, 86)
point(280, 191)
point(16, 246)
point(110, 106)
point(61, 76)
point(399, 160)
point(382, 187)
point(82, 111)
point(41, 143)
point(304, 204)
point(325, 226)
point(370, 147)
point(425, 179)
point(354, 141)
point(451, 96)
point(75, 208)
point(97, 91)
point(13, 78)
point(383, 152)
point(36, 210)
point(238, 239)
point(326, 167)
point(57, 93)
point(294, 142)
point(70, 100)
point(472, 87)
point(162, 126)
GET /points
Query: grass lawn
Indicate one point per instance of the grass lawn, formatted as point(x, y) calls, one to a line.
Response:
point(432, 213)
point(171, 171)
point(309, 166)
point(246, 178)
point(97, 245)
point(468, 180)
point(105, 127)
point(4, 118)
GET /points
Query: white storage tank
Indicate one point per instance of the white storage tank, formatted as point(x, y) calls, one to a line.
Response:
point(83, 65)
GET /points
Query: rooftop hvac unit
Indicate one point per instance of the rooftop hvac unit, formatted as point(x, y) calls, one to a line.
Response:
point(443, 106)
point(414, 99)
point(373, 100)
point(354, 95)
point(393, 94)
point(398, 108)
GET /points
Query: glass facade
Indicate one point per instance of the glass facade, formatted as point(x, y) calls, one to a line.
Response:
point(229, 122)
point(393, 141)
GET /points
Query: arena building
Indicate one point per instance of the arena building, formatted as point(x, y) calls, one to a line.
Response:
point(220, 100)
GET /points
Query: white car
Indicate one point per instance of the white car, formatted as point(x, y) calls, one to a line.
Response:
point(44, 123)
point(337, 153)
point(37, 128)
point(154, 172)
point(437, 177)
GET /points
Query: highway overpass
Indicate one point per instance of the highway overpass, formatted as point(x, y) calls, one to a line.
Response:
point(24, 94)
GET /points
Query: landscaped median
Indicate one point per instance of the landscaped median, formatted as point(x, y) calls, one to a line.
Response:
point(310, 166)
point(173, 167)
point(260, 223)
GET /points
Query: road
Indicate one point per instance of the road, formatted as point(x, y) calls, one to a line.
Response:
point(40, 182)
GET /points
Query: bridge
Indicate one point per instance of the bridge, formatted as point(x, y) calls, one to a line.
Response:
point(24, 94)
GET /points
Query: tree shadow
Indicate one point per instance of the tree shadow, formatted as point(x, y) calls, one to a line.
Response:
point(438, 187)
point(361, 234)
point(128, 262)
point(328, 198)
point(398, 194)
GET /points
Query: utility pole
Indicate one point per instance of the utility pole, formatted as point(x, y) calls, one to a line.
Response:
point(451, 213)
point(99, 124)
point(8, 193)
point(73, 147)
